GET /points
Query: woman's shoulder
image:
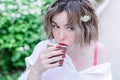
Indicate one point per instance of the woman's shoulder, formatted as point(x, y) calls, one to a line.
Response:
point(102, 53)
point(101, 47)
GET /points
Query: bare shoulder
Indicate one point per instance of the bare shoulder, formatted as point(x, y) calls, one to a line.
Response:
point(103, 55)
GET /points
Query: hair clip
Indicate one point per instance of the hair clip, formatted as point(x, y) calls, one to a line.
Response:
point(85, 18)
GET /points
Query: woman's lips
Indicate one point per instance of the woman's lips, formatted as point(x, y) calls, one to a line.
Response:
point(63, 44)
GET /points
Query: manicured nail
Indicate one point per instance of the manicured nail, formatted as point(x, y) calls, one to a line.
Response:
point(63, 51)
point(60, 62)
point(58, 46)
point(63, 56)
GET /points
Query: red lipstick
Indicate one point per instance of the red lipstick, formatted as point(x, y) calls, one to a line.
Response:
point(63, 44)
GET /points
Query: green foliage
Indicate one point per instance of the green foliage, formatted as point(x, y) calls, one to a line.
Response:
point(20, 30)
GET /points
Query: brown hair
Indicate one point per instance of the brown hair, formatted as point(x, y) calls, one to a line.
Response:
point(86, 31)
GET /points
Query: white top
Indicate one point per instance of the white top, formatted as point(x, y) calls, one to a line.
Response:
point(67, 71)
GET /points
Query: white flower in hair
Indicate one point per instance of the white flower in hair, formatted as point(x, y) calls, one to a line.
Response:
point(85, 18)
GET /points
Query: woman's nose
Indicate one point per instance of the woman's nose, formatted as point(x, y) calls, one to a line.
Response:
point(62, 35)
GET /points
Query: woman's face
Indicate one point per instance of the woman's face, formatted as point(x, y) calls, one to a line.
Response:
point(62, 31)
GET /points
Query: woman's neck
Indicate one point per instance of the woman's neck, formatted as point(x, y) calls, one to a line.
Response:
point(78, 52)
point(82, 58)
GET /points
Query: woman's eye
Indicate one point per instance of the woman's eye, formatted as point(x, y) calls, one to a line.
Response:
point(55, 26)
point(70, 28)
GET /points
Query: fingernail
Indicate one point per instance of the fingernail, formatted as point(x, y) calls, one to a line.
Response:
point(60, 62)
point(63, 56)
point(63, 51)
point(58, 46)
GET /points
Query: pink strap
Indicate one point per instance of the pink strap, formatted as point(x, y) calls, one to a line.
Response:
point(95, 54)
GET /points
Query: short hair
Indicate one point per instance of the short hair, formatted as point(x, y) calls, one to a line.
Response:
point(86, 32)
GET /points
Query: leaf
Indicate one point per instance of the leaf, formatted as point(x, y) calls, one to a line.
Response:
point(16, 56)
point(19, 36)
point(9, 77)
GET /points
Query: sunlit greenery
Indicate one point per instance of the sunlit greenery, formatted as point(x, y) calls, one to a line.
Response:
point(20, 30)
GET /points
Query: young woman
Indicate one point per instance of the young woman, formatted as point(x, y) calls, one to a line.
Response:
point(71, 24)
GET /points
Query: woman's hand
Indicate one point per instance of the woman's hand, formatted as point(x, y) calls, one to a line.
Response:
point(48, 58)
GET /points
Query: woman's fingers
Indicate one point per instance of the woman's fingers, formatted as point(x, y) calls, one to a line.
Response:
point(53, 65)
point(50, 57)
point(52, 62)
point(53, 53)
point(48, 66)
point(55, 59)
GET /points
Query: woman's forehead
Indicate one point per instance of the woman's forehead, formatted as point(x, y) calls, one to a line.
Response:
point(60, 18)
point(60, 15)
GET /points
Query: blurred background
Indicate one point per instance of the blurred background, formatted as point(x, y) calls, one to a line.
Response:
point(21, 28)
point(109, 27)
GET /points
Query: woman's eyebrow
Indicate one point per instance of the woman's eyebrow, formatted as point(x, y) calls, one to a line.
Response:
point(54, 22)
point(57, 24)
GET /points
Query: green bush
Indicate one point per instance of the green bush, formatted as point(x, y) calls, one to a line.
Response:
point(20, 30)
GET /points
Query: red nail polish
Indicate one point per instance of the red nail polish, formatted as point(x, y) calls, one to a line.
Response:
point(63, 56)
point(60, 62)
point(63, 51)
point(58, 46)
